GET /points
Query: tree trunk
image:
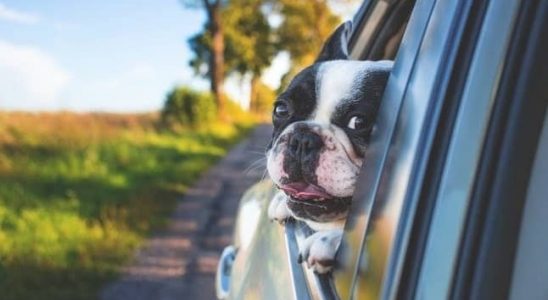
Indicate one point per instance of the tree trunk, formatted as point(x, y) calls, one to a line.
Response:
point(217, 59)
point(253, 106)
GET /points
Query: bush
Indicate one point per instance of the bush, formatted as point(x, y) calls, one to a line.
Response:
point(187, 107)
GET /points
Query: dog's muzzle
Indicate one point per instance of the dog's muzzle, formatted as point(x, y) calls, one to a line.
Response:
point(312, 165)
point(301, 155)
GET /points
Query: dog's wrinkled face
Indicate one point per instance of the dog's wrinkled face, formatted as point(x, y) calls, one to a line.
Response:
point(322, 124)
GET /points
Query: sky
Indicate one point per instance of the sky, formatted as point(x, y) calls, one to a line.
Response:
point(121, 55)
point(100, 55)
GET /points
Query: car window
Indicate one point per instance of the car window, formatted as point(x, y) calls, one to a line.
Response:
point(377, 34)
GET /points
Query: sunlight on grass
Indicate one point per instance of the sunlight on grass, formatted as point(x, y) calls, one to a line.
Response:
point(79, 192)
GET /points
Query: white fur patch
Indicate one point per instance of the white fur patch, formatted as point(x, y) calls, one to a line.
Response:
point(277, 209)
point(334, 82)
point(321, 246)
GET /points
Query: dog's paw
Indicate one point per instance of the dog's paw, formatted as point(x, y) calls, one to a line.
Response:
point(277, 209)
point(319, 249)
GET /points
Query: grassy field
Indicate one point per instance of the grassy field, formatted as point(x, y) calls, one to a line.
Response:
point(78, 193)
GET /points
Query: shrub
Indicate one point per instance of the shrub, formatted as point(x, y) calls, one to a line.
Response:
point(187, 107)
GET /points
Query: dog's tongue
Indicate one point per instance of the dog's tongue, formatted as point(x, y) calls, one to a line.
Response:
point(302, 190)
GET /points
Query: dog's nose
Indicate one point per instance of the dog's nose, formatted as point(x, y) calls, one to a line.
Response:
point(304, 144)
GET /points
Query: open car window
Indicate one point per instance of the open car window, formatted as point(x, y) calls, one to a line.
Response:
point(377, 34)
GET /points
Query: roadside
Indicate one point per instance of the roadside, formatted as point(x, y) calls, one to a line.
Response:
point(180, 262)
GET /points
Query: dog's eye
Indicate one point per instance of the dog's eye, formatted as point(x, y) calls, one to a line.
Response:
point(281, 110)
point(356, 123)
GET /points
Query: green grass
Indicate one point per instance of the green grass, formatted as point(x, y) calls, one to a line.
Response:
point(78, 194)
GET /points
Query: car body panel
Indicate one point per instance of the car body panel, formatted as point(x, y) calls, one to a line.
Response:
point(262, 268)
point(260, 250)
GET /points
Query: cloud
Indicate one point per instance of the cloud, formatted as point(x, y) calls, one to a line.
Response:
point(29, 78)
point(12, 15)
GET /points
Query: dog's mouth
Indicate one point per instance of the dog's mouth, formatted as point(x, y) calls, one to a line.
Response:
point(303, 191)
point(311, 202)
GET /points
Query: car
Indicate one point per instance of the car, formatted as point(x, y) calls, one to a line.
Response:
point(451, 202)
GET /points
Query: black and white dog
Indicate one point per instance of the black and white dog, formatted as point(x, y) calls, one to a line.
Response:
point(322, 123)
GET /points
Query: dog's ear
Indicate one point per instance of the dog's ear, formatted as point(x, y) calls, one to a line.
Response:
point(336, 46)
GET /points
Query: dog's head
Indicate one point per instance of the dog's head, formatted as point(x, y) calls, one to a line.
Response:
point(322, 123)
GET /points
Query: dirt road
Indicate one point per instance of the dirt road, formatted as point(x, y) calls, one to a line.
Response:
point(180, 262)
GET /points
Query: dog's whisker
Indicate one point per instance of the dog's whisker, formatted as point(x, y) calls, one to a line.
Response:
point(264, 174)
point(256, 165)
point(256, 152)
point(255, 169)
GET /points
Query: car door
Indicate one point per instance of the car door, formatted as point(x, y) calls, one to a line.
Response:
point(487, 223)
point(443, 203)
point(404, 234)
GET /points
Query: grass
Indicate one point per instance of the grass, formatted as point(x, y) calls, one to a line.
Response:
point(79, 193)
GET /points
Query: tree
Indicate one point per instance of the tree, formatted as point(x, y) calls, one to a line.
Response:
point(248, 39)
point(305, 26)
point(250, 44)
point(214, 28)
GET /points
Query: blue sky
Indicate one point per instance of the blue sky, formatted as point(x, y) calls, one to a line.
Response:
point(104, 55)
point(121, 55)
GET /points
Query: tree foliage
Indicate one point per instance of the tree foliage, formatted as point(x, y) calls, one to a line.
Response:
point(305, 27)
point(187, 107)
point(251, 42)
point(248, 39)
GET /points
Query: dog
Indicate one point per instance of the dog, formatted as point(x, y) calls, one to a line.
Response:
point(322, 125)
